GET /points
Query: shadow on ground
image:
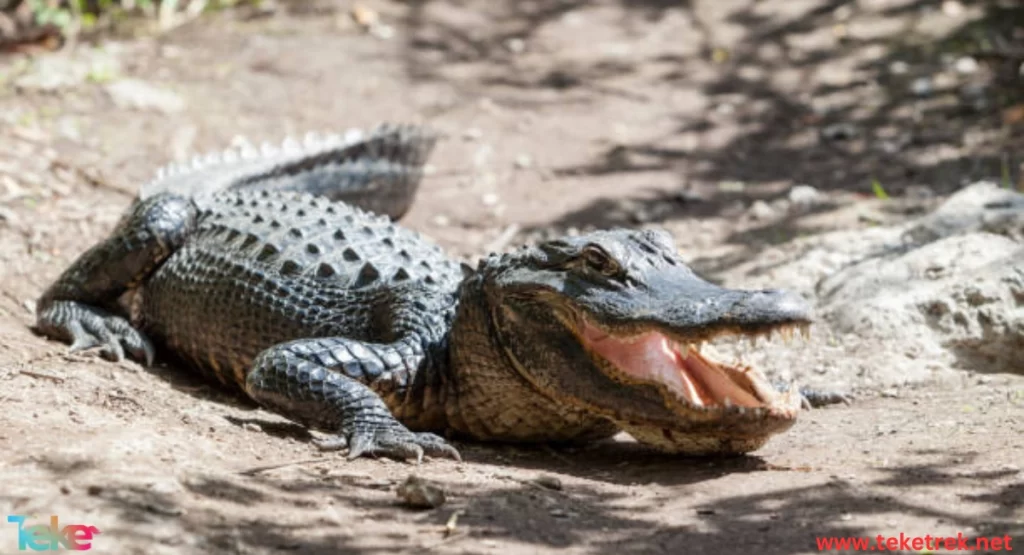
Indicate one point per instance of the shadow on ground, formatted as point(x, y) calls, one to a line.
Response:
point(780, 521)
point(829, 93)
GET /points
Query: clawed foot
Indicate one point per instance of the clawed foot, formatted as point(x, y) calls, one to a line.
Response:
point(86, 327)
point(395, 441)
point(814, 398)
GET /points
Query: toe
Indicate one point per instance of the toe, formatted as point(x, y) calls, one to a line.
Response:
point(112, 350)
point(436, 446)
point(816, 399)
point(130, 339)
point(139, 347)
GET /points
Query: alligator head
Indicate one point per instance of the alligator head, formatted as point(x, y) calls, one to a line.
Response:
point(610, 323)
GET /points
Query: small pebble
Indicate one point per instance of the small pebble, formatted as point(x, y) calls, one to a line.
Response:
point(922, 86)
point(839, 132)
point(550, 482)
point(761, 211)
point(966, 65)
point(899, 67)
point(382, 31)
point(515, 45)
point(805, 196)
point(952, 8)
point(420, 494)
point(524, 161)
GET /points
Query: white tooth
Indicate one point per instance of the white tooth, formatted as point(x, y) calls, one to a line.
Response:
point(291, 146)
point(213, 158)
point(333, 140)
point(197, 161)
point(249, 152)
point(312, 139)
point(787, 334)
point(239, 141)
point(268, 149)
point(161, 172)
point(229, 156)
point(727, 403)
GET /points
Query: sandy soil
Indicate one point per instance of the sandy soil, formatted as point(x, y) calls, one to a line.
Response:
point(560, 115)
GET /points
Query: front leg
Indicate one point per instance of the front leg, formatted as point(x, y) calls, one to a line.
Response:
point(81, 306)
point(322, 383)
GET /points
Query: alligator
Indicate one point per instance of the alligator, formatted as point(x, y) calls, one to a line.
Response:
point(281, 272)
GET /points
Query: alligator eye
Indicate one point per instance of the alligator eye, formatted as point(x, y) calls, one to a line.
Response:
point(597, 259)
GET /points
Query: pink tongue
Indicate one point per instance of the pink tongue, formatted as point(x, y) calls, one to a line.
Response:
point(720, 386)
point(649, 357)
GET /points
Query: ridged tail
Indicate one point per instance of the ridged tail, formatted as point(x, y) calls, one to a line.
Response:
point(379, 170)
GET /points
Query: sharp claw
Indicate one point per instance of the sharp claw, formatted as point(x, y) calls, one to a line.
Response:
point(87, 327)
point(452, 452)
point(144, 351)
point(360, 444)
point(401, 444)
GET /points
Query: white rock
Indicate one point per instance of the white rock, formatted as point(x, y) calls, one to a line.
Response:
point(966, 65)
point(140, 95)
point(805, 196)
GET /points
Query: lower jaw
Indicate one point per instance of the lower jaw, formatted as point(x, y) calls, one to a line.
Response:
point(705, 443)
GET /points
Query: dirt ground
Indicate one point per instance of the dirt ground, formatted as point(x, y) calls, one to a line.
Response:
point(560, 115)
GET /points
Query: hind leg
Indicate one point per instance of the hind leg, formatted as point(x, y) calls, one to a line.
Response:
point(81, 306)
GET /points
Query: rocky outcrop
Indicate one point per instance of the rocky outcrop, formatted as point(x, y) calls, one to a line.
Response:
point(956, 284)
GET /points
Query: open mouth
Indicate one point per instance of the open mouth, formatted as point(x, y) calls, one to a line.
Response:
point(654, 357)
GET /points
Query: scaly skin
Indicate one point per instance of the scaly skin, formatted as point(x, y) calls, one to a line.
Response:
point(250, 269)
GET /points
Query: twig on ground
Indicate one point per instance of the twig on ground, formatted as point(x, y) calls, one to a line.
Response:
point(41, 376)
point(446, 540)
point(501, 241)
point(258, 469)
point(95, 181)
